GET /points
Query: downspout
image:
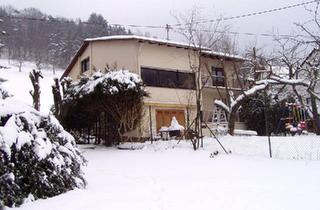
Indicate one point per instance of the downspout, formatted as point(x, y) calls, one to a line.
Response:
point(138, 58)
point(91, 58)
point(138, 71)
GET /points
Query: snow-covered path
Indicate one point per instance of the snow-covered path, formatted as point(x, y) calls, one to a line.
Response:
point(179, 178)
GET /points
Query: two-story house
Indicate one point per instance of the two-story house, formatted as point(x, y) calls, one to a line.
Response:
point(168, 70)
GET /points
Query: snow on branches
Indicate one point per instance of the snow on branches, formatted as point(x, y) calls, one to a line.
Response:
point(250, 92)
point(3, 92)
point(38, 158)
point(112, 82)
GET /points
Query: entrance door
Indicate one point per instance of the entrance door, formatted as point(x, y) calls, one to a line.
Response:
point(164, 117)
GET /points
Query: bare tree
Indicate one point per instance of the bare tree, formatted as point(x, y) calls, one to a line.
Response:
point(250, 79)
point(2, 32)
point(35, 75)
point(193, 31)
point(57, 98)
point(292, 55)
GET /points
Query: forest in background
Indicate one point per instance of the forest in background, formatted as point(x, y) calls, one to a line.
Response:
point(32, 35)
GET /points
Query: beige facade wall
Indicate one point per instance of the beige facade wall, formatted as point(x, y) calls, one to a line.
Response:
point(117, 53)
point(121, 54)
point(170, 96)
point(164, 57)
point(228, 66)
point(76, 69)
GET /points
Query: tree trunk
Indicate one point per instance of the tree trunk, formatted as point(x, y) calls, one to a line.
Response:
point(57, 98)
point(34, 77)
point(231, 122)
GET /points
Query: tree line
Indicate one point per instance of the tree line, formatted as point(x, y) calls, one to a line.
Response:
point(35, 36)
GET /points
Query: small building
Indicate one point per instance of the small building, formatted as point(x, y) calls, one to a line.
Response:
point(168, 70)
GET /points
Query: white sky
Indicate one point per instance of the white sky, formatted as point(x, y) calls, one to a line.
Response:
point(159, 12)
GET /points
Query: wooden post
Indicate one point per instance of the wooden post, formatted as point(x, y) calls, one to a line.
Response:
point(150, 124)
point(99, 129)
point(105, 128)
point(88, 137)
point(96, 131)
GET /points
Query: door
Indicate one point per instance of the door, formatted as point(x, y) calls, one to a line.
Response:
point(164, 117)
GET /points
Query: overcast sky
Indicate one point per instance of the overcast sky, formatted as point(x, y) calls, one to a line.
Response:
point(159, 12)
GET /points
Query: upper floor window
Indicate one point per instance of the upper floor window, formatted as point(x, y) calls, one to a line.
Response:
point(308, 101)
point(171, 79)
point(85, 65)
point(218, 78)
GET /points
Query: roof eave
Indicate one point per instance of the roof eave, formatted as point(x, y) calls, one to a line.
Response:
point(74, 59)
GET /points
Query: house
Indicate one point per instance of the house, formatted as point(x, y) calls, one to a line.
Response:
point(167, 69)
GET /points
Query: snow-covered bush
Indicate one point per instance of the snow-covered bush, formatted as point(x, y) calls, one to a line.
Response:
point(3, 92)
point(38, 158)
point(115, 95)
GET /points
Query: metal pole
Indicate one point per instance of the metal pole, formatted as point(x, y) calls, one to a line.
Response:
point(267, 122)
point(168, 30)
point(216, 138)
point(269, 140)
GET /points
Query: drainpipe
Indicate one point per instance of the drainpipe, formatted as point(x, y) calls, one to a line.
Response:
point(90, 59)
point(138, 58)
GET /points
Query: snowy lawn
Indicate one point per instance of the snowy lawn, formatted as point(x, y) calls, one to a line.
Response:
point(19, 83)
point(170, 176)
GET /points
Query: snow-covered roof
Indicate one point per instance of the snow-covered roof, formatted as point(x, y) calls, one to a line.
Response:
point(282, 71)
point(146, 39)
point(205, 50)
point(224, 55)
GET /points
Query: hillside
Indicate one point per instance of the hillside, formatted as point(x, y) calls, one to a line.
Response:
point(35, 35)
point(19, 83)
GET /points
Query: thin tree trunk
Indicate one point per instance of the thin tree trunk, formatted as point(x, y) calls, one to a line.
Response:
point(231, 123)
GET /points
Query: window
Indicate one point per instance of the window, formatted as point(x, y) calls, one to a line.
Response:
point(308, 101)
point(171, 79)
point(218, 77)
point(85, 65)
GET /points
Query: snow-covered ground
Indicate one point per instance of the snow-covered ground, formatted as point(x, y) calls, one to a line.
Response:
point(19, 83)
point(167, 175)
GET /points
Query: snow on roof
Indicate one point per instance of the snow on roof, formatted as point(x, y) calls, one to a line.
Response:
point(221, 54)
point(280, 70)
point(205, 50)
point(146, 39)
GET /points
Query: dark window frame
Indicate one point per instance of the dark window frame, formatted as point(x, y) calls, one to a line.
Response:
point(218, 77)
point(85, 65)
point(155, 77)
